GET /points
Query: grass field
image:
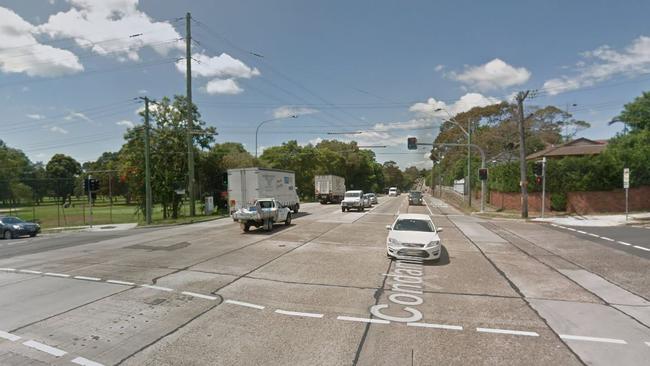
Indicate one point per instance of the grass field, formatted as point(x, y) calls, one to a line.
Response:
point(51, 215)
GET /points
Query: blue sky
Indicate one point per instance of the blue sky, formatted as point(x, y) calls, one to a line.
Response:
point(69, 70)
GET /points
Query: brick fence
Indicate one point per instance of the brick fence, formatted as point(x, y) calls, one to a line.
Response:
point(578, 202)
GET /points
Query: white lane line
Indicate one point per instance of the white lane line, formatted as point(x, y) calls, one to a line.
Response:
point(592, 339)
point(9, 336)
point(624, 243)
point(207, 297)
point(120, 282)
point(87, 278)
point(647, 344)
point(581, 232)
point(30, 271)
point(8, 269)
point(437, 326)
point(594, 235)
point(606, 238)
point(507, 331)
point(167, 289)
point(570, 228)
point(642, 248)
point(63, 275)
point(298, 313)
point(45, 348)
point(363, 320)
point(246, 304)
point(555, 225)
point(85, 362)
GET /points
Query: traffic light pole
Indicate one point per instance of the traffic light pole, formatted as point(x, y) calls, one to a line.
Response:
point(543, 184)
point(90, 199)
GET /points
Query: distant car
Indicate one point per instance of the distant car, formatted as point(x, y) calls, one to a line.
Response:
point(392, 192)
point(353, 200)
point(413, 236)
point(415, 198)
point(13, 227)
point(367, 201)
point(373, 198)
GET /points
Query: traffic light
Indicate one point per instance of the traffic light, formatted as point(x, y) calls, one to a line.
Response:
point(538, 179)
point(412, 143)
point(483, 174)
point(94, 185)
point(538, 168)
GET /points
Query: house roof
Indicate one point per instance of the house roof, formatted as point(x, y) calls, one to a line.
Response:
point(577, 147)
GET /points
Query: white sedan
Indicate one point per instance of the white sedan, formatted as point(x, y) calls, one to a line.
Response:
point(413, 236)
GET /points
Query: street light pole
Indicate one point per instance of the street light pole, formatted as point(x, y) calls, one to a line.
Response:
point(467, 133)
point(257, 130)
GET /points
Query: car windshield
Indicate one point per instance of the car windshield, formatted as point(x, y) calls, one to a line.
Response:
point(413, 225)
point(350, 194)
point(266, 204)
point(11, 220)
point(416, 194)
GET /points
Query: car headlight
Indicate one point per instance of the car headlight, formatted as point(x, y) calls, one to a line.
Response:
point(434, 243)
point(16, 226)
point(393, 241)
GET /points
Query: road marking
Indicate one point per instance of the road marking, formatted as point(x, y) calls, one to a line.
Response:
point(45, 348)
point(437, 326)
point(9, 336)
point(570, 228)
point(594, 235)
point(581, 232)
point(298, 313)
point(120, 282)
point(592, 339)
point(507, 331)
point(246, 304)
point(167, 289)
point(647, 344)
point(199, 295)
point(7, 269)
point(624, 243)
point(362, 320)
point(606, 238)
point(56, 274)
point(30, 271)
point(642, 248)
point(85, 362)
point(555, 225)
point(87, 278)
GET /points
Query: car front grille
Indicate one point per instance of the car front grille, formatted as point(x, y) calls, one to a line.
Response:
point(413, 253)
point(413, 245)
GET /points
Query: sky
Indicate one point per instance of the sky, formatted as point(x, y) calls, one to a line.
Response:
point(373, 71)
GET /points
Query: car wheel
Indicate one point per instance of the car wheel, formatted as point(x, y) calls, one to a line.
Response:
point(288, 220)
point(342, 209)
point(245, 227)
point(32, 235)
point(296, 208)
point(8, 235)
point(362, 209)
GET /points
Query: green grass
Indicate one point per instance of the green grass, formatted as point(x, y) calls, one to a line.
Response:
point(51, 215)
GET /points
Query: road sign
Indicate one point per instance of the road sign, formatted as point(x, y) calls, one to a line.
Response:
point(412, 143)
point(626, 178)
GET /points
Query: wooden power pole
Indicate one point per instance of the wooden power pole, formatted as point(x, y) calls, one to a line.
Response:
point(523, 181)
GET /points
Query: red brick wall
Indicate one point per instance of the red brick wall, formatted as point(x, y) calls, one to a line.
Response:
point(512, 201)
point(608, 201)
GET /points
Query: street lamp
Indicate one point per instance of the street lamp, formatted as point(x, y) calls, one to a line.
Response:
point(268, 120)
point(468, 133)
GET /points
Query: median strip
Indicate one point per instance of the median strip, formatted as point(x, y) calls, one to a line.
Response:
point(45, 348)
point(363, 320)
point(245, 304)
point(299, 313)
point(507, 331)
point(437, 326)
point(592, 339)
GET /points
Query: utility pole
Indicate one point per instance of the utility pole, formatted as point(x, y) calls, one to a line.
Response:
point(469, 163)
point(90, 199)
point(147, 166)
point(523, 181)
point(190, 124)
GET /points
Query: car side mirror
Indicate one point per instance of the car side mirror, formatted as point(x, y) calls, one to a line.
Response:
point(439, 229)
point(387, 227)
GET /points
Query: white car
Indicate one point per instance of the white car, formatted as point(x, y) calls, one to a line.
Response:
point(413, 236)
point(392, 192)
point(353, 200)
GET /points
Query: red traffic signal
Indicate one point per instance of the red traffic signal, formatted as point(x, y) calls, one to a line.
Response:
point(483, 174)
point(538, 179)
point(412, 143)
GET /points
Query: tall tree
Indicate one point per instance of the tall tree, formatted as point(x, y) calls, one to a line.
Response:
point(62, 171)
point(636, 115)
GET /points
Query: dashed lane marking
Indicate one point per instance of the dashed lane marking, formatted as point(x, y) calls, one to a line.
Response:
point(30, 271)
point(299, 313)
point(582, 232)
point(9, 336)
point(362, 320)
point(624, 243)
point(592, 339)
point(194, 294)
point(647, 344)
point(606, 238)
point(437, 326)
point(85, 362)
point(570, 228)
point(160, 288)
point(594, 235)
point(116, 282)
point(642, 248)
point(62, 275)
point(246, 304)
point(87, 278)
point(45, 348)
point(507, 331)
point(8, 269)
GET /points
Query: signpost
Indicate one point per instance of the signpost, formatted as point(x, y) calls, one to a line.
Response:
point(626, 186)
point(543, 184)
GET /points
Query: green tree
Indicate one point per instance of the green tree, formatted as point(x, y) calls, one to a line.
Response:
point(636, 115)
point(62, 171)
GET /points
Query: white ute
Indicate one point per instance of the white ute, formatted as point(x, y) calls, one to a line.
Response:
point(264, 213)
point(353, 200)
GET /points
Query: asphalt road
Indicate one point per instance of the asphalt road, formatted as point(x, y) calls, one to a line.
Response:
point(322, 292)
point(631, 239)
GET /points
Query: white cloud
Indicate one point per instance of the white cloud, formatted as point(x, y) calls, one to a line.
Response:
point(22, 53)
point(223, 66)
point(464, 104)
point(605, 63)
point(493, 75)
point(105, 27)
point(125, 123)
point(223, 86)
point(288, 111)
point(35, 116)
point(142, 91)
point(58, 129)
point(439, 68)
point(76, 116)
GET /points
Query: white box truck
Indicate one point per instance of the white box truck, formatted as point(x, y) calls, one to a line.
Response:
point(247, 185)
point(329, 188)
